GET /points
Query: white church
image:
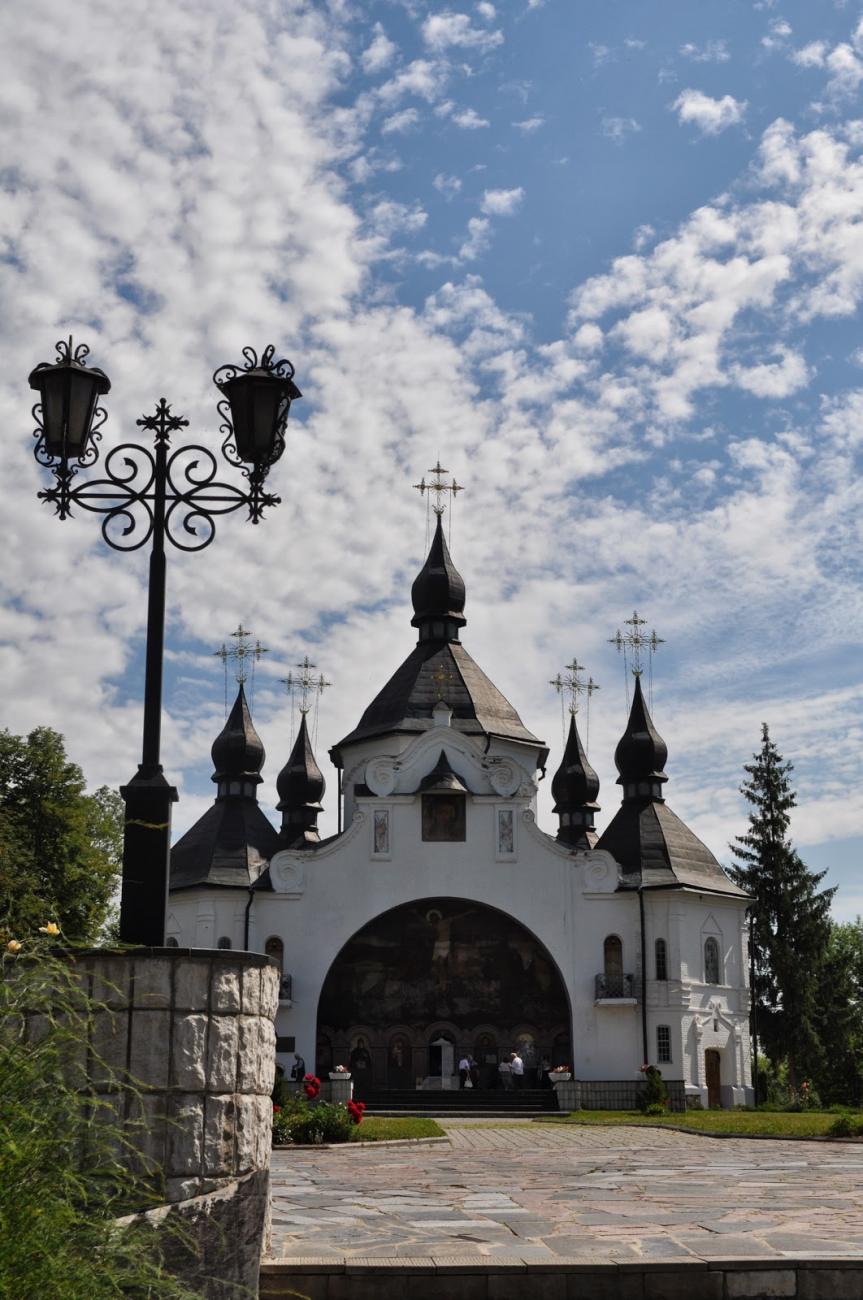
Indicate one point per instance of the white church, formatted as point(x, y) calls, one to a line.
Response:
point(443, 921)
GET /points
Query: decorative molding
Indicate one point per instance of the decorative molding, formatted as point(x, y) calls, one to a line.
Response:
point(288, 875)
point(380, 775)
point(504, 776)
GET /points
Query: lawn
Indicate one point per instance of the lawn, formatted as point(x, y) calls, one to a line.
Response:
point(742, 1123)
point(384, 1130)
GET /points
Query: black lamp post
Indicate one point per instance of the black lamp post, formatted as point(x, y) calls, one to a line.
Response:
point(157, 494)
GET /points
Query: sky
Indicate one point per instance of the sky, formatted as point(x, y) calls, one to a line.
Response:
point(605, 262)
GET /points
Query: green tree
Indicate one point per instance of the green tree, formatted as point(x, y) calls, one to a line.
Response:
point(841, 1002)
point(60, 848)
point(791, 925)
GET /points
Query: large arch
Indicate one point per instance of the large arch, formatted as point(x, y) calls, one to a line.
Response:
point(444, 966)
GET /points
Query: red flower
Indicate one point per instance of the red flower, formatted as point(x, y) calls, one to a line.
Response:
point(355, 1110)
point(276, 1109)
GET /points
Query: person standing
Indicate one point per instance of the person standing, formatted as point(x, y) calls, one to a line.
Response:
point(298, 1069)
point(463, 1071)
point(516, 1065)
point(505, 1072)
point(473, 1070)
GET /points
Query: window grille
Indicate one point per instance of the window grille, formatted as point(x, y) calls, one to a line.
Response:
point(661, 960)
point(663, 1043)
point(225, 942)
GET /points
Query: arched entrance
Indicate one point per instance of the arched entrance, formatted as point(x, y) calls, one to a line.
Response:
point(441, 960)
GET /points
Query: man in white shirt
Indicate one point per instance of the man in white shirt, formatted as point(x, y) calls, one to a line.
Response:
point(516, 1064)
point(463, 1071)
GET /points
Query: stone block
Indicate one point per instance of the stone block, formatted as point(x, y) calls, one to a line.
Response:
point(112, 978)
point(152, 983)
point(538, 1286)
point(279, 1286)
point(181, 1189)
point(753, 1284)
point(380, 1286)
point(269, 992)
point(247, 1122)
point(268, 1056)
point(683, 1284)
point(250, 987)
point(192, 984)
point(219, 1136)
point(148, 1058)
point(606, 1285)
point(225, 990)
point(830, 1283)
point(263, 1133)
point(249, 1054)
point(146, 1129)
point(188, 1064)
point(186, 1136)
point(109, 1044)
point(222, 1054)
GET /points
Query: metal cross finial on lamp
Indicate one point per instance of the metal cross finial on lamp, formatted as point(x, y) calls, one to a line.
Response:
point(146, 496)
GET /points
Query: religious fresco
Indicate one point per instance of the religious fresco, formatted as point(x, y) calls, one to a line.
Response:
point(444, 817)
point(443, 960)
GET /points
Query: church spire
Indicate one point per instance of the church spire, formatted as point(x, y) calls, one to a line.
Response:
point(641, 753)
point(301, 787)
point(238, 754)
point(438, 594)
point(574, 788)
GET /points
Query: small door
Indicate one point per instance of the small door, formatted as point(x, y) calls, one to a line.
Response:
point(713, 1076)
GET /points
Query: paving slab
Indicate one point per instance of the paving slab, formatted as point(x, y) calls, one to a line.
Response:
point(542, 1193)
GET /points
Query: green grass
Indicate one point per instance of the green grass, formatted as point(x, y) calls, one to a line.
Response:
point(384, 1130)
point(743, 1123)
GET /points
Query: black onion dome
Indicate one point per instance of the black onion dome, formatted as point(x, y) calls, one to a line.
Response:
point(574, 784)
point(438, 593)
point(238, 752)
point(641, 752)
point(301, 782)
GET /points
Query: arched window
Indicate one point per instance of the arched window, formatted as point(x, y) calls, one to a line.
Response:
point(172, 942)
point(275, 948)
point(661, 952)
point(712, 972)
point(225, 942)
point(612, 957)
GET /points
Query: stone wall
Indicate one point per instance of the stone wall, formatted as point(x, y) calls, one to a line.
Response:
point(193, 1029)
point(612, 1094)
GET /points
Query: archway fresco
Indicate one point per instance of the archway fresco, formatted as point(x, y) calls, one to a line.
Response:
point(434, 962)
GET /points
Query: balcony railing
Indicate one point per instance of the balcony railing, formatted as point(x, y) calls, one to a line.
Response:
point(611, 987)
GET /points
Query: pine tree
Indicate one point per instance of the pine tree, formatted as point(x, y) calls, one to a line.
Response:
point(791, 919)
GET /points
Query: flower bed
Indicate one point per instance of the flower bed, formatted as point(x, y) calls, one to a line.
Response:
point(309, 1122)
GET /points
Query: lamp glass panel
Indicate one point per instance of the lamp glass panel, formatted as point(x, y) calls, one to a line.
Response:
point(82, 401)
point(267, 400)
point(53, 387)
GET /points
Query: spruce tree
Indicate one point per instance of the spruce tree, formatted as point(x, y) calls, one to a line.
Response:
point(791, 919)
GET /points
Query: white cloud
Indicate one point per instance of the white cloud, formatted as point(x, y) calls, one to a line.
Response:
point(846, 71)
point(600, 53)
point(498, 203)
point(710, 52)
point(388, 218)
point(778, 33)
point(478, 239)
point(380, 53)
point(529, 125)
point(401, 122)
point(775, 379)
point(469, 120)
point(643, 236)
point(618, 128)
point(446, 30)
point(710, 115)
point(422, 78)
point(486, 11)
point(811, 55)
point(448, 186)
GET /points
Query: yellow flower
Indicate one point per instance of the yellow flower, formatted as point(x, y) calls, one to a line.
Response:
point(51, 928)
point(14, 945)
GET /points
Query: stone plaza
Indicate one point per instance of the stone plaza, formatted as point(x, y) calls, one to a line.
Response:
point(555, 1210)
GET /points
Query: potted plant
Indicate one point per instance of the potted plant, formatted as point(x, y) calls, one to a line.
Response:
point(340, 1072)
point(560, 1074)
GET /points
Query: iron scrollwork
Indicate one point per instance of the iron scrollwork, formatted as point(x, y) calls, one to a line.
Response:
point(180, 485)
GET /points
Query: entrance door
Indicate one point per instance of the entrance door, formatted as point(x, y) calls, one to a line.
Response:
point(712, 1074)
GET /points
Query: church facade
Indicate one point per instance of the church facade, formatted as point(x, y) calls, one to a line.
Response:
point(442, 921)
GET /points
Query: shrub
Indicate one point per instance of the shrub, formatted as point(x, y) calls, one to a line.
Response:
point(654, 1092)
point(298, 1121)
point(68, 1158)
point(846, 1126)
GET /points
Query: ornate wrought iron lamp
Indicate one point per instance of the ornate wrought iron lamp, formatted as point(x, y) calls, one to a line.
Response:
point(148, 495)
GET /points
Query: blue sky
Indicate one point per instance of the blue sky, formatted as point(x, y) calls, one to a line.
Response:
point(606, 261)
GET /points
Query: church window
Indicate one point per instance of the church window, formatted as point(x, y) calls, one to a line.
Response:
point(172, 941)
point(712, 972)
point(663, 1043)
point(225, 942)
point(275, 948)
point(661, 950)
point(612, 953)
